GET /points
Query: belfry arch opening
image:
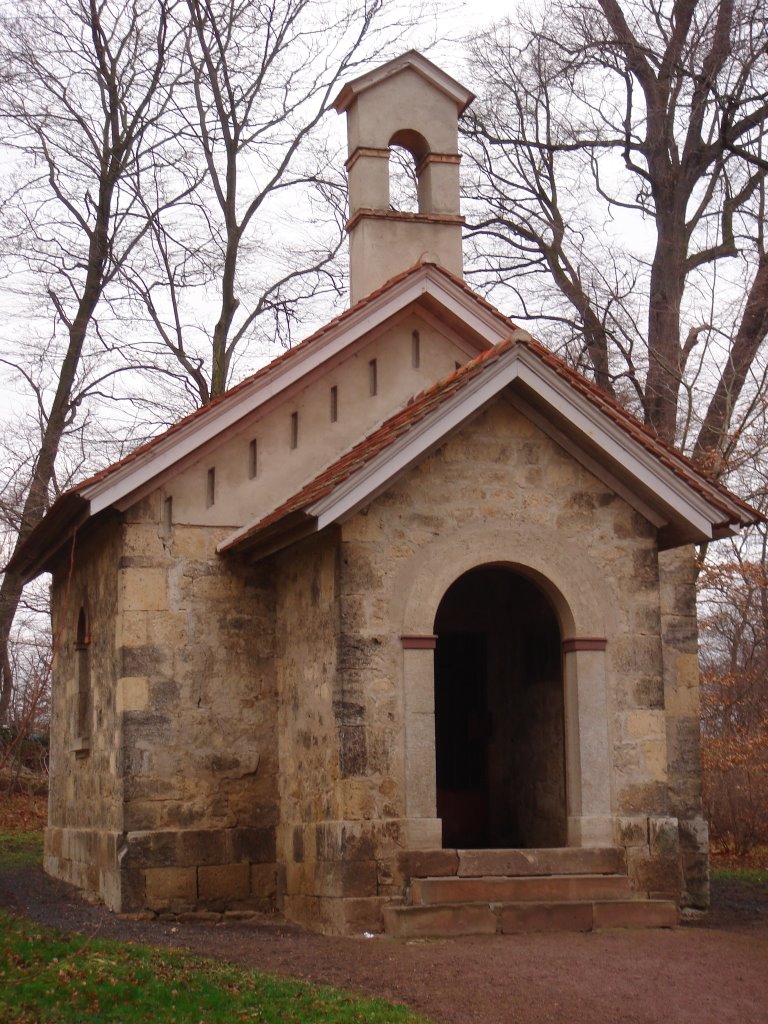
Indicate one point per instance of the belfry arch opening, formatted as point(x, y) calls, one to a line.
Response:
point(407, 149)
point(499, 714)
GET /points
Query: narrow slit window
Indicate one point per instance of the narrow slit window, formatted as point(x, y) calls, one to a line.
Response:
point(253, 460)
point(84, 699)
point(294, 430)
point(334, 404)
point(167, 514)
point(415, 350)
point(210, 487)
point(373, 378)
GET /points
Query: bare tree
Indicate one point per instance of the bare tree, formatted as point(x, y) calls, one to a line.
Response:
point(80, 114)
point(619, 154)
point(229, 267)
point(734, 699)
point(159, 148)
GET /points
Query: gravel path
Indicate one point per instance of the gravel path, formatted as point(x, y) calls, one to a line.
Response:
point(712, 972)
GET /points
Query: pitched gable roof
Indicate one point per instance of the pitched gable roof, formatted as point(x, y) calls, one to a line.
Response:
point(461, 96)
point(121, 483)
point(683, 504)
point(567, 406)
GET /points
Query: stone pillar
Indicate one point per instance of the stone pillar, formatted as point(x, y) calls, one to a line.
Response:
point(423, 826)
point(587, 751)
point(677, 581)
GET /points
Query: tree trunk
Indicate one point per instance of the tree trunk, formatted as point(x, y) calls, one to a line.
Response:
point(666, 293)
point(752, 331)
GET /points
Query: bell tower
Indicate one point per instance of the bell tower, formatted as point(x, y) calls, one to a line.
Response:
point(407, 102)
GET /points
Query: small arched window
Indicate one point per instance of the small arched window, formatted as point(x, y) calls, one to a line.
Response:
point(406, 151)
point(83, 707)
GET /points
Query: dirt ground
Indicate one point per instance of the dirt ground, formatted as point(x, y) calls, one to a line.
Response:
point(711, 971)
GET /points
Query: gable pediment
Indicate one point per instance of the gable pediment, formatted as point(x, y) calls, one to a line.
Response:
point(659, 483)
point(656, 480)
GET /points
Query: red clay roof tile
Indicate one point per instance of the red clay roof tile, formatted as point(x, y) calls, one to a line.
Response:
point(426, 401)
point(415, 410)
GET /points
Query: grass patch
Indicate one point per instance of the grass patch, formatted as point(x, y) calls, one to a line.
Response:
point(20, 848)
point(755, 878)
point(48, 976)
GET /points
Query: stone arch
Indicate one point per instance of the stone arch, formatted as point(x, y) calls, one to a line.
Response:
point(575, 595)
point(499, 713)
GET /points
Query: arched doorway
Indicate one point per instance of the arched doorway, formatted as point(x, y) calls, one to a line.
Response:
point(499, 714)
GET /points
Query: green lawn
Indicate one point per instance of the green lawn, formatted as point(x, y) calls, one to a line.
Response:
point(50, 976)
point(20, 848)
point(756, 878)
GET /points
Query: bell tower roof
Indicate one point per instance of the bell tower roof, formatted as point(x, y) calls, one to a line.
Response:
point(410, 103)
point(412, 59)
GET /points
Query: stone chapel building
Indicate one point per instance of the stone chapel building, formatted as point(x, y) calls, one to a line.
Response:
point(400, 631)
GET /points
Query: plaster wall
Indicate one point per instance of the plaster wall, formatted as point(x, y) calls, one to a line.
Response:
point(403, 101)
point(281, 469)
point(380, 247)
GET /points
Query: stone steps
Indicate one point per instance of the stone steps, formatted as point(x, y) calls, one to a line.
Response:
point(541, 888)
point(563, 860)
point(455, 919)
point(507, 892)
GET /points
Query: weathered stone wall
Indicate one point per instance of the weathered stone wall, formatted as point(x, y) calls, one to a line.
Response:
point(85, 796)
point(681, 699)
point(197, 694)
point(501, 491)
point(333, 784)
point(174, 806)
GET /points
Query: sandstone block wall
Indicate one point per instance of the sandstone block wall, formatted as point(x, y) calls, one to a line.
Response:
point(175, 804)
point(197, 689)
point(86, 786)
point(681, 697)
point(498, 492)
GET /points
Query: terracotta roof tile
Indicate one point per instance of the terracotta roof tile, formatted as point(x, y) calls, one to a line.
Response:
point(428, 400)
point(413, 412)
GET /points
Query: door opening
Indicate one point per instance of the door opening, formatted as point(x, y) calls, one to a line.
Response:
point(499, 718)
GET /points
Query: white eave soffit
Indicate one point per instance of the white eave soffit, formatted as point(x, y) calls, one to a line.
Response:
point(653, 489)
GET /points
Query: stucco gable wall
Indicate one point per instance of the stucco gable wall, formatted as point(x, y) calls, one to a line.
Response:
point(282, 469)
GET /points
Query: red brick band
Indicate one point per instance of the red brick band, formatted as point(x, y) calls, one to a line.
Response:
point(437, 158)
point(584, 643)
point(363, 151)
point(419, 642)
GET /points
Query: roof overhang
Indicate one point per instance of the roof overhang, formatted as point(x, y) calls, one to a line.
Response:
point(681, 512)
point(414, 60)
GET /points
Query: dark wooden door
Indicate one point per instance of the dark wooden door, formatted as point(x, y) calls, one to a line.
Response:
point(462, 730)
